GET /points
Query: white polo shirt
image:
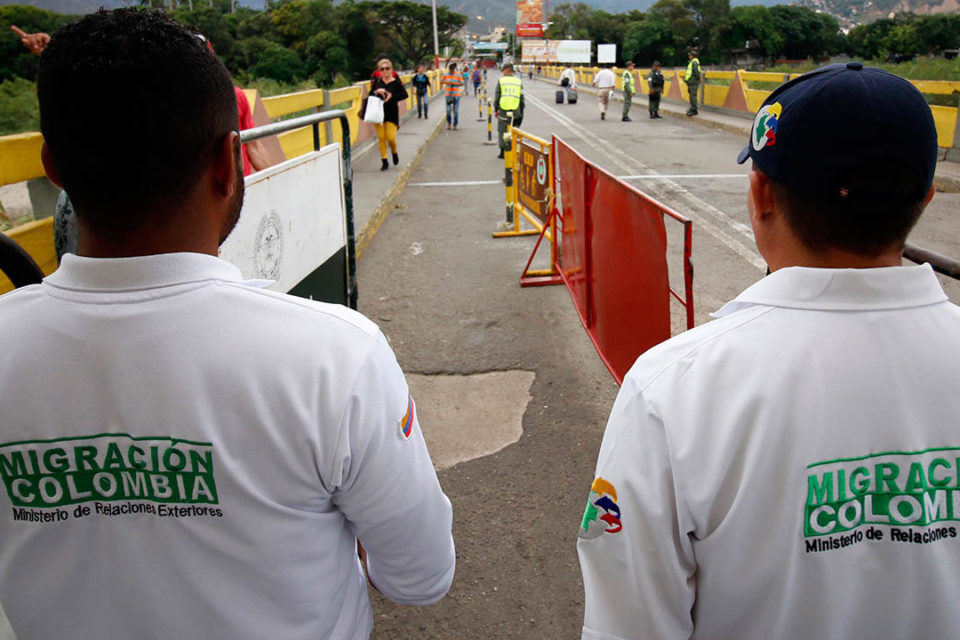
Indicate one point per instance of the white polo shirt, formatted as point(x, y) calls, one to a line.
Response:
point(187, 456)
point(790, 470)
point(605, 79)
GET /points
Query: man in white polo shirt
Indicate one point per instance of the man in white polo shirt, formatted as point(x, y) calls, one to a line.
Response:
point(792, 469)
point(184, 455)
point(604, 81)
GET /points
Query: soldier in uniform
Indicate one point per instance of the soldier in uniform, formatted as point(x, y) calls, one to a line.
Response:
point(655, 80)
point(509, 102)
point(629, 88)
point(692, 78)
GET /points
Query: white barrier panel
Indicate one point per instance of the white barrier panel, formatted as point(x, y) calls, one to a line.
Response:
point(292, 228)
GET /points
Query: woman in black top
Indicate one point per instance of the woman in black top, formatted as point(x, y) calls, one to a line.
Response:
point(389, 87)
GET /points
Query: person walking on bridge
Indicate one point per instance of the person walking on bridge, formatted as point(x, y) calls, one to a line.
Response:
point(421, 82)
point(692, 78)
point(629, 88)
point(509, 101)
point(209, 452)
point(453, 88)
point(790, 469)
point(604, 81)
point(389, 87)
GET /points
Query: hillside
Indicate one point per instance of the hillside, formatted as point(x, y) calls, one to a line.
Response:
point(486, 14)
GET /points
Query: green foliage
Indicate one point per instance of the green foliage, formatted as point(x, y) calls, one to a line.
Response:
point(806, 33)
point(906, 35)
point(753, 23)
point(19, 110)
point(15, 60)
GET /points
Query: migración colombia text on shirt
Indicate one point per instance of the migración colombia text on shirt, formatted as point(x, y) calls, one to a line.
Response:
point(906, 492)
point(99, 469)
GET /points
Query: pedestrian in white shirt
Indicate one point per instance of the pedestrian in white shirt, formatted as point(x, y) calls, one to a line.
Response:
point(185, 455)
point(792, 469)
point(604, 81)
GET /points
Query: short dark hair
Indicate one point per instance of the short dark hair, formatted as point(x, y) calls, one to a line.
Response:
point(452, 66)
point(132, 106)
point(874, 212)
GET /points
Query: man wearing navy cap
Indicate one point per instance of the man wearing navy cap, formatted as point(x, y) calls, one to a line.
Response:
point(792, 469)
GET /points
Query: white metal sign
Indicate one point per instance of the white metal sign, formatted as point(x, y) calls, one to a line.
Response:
point(292, 220)
point(606, 53)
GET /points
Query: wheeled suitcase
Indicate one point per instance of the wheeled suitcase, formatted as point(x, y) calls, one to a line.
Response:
point(572, 96)
point(560, 96)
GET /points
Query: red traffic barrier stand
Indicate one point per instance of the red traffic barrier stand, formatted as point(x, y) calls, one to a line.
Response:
point(612, 256)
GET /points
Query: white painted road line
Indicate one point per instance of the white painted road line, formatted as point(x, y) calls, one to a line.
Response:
point(696, 209)
point(678, 176)
point(472, 183)
point(685, 176)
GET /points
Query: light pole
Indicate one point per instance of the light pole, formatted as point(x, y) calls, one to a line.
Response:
point(436, 40)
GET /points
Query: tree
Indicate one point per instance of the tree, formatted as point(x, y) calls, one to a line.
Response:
point(806, 34)
point(15, 60)
point(752, 23)
point(408, 29)
point(647, 39)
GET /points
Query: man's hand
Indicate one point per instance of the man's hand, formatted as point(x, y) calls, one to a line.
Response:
point(34, 42)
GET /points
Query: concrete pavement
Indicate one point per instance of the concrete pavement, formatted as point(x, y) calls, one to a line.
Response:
point(512, 397)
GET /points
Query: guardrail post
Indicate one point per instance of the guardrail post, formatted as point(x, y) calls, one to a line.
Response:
point(328, 125)
point(954, 152)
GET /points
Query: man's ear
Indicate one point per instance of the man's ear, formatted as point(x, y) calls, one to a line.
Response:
point(46, 157)
point(224, 165)
point(929, 196)
point(760, 197)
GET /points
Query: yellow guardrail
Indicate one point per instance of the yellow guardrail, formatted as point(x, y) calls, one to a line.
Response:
point(20, 157)
point(739, 95)
point(277, 106)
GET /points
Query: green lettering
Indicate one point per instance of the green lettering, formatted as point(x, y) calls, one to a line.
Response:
point(886, 474)
point(135, 461)
point(174, 465)
point(56, 460)
point(201, 462)
point(14, 465)
point(134, 483)
point(932, 476)
point(114, 457)
point(86, 458)
point(819, 492)
point(859, 481)
point(915, 479)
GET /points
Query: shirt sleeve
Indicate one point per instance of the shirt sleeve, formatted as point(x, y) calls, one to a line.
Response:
point(388, 490)
point(243, 110)
point(635, 546)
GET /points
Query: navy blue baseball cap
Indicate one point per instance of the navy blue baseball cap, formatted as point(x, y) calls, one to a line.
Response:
point(815, 130)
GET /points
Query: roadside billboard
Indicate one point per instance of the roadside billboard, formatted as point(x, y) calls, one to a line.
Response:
point(529, 11)
point(530, 30)
point(548, 51)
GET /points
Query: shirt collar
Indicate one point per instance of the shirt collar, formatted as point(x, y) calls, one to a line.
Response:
point(142, 272)
point(842, 289)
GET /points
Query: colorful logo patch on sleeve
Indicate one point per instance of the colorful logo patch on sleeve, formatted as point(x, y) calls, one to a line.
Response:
point(406, 423)
point(765, 126)
point(602, 514)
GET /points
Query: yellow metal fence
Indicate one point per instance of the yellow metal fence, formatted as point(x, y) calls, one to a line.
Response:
point(726, 88)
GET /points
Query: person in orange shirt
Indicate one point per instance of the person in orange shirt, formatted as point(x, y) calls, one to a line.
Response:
point(453, 86)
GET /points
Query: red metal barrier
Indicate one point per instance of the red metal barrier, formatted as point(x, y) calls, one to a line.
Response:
point(614, 260)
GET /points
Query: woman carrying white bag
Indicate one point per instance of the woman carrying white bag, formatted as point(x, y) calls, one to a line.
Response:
point(386, 92)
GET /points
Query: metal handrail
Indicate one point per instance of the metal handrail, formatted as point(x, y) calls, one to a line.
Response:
point(940, 263)
point(314, 120)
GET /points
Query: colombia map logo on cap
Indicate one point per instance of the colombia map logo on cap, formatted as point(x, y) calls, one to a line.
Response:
point(603, 498)
point(765, 126)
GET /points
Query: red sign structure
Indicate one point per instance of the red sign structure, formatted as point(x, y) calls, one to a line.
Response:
point(532, 30)
point(613, 260)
